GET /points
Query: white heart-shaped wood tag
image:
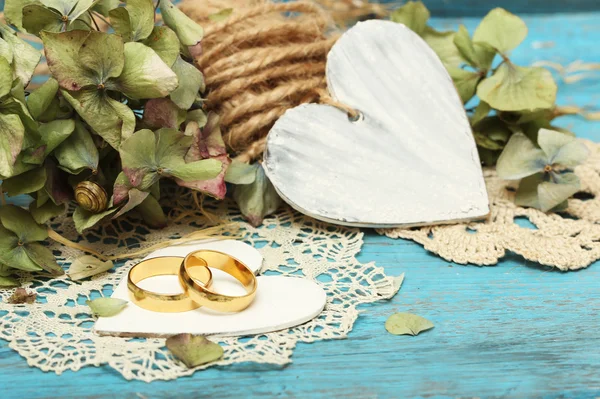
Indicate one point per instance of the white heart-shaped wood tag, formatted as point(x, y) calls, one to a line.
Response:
point(410, 159)
point(281, 302)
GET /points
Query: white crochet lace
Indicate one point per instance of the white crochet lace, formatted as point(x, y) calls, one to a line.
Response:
point(55, 334)
point(568, 241)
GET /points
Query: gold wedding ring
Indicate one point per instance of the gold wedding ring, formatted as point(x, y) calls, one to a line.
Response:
point(163, 303)
point(202, 260)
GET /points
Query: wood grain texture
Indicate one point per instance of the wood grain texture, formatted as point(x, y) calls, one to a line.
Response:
point(409, 160)
point(510, 331)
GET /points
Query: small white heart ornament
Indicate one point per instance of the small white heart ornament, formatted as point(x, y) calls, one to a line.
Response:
point(280, 303)
point(410, 159)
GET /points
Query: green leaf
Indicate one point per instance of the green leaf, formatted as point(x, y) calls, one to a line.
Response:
point(84, 220)
point(7, 282)
point(12, 253)
point(71, 8)
point(6, 77)
point(205, 169)
point(88, 266)
point(514, 88)
point(198, 116)
point(221, 15)
point(258, 199)
point(136, 197)
point(481, 112)
point(78, 152)
point(240, 173)
point(520, 158)
point(188, 31)
point(102, 53)
point(44, 258)
point(20, 222)
point(527, 194)
point(13, 11)
point(52, 135)
point(25, 183)
point(501, 30)
point(194, 350)
point(104, 6)
point(145, 74)
point(25, 56)
point(191, 82)
point(141, 15)
point(121, 23)
point(492, 133)
point(407, 324)
point(414, 15)
point(41, 98)
point(147, 156)
point(37, 18)
point(561, 148)
point(465, 82)
point(553, 194)
point(46, 211)
point(165, 43)
point(110, 119)
point(478, 55)
point(62, 52)
point(443, 45)
point(106, 307)
point(12, 134)
point(152, 213)
point(6, 51)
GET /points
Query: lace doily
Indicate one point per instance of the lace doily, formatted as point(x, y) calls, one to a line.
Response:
point(568, 241)
point(55, 334)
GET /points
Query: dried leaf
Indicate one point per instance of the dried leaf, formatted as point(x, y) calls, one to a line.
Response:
point(240, 173)
point(407, 324)
point(465, 82)
point(193, 350)
point(515, 88)
point(21, 296)
point(84, 220)
point(145, 75)
point(501, 30)
point(257, 200)
point(188, 31)
point(46, 211)
point(106, 307)
point(8, 282)
point(78, 152)
point(25, 183)
point(520, 158)
point(44, 258)
point(191, 82)
point(414, 15)
point(88, 266)
point(165, 43)
point(152, 213)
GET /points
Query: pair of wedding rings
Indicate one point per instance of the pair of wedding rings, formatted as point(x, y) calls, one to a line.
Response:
point(195, 278)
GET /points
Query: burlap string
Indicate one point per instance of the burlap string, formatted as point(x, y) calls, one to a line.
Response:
point(261, 61)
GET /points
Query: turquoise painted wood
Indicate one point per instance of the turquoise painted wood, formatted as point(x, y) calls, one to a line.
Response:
point(511, 331)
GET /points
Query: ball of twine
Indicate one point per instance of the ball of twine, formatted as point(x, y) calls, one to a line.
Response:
point(262, 60)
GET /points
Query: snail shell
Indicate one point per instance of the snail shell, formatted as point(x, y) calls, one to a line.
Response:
point(91, 196)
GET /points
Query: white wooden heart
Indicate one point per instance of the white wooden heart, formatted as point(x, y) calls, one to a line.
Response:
point(281, 302)
point(409, 160)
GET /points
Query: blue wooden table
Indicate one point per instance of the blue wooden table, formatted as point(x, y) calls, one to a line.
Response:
point(511, 331)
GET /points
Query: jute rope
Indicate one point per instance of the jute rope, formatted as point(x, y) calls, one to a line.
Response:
point(259, 62)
